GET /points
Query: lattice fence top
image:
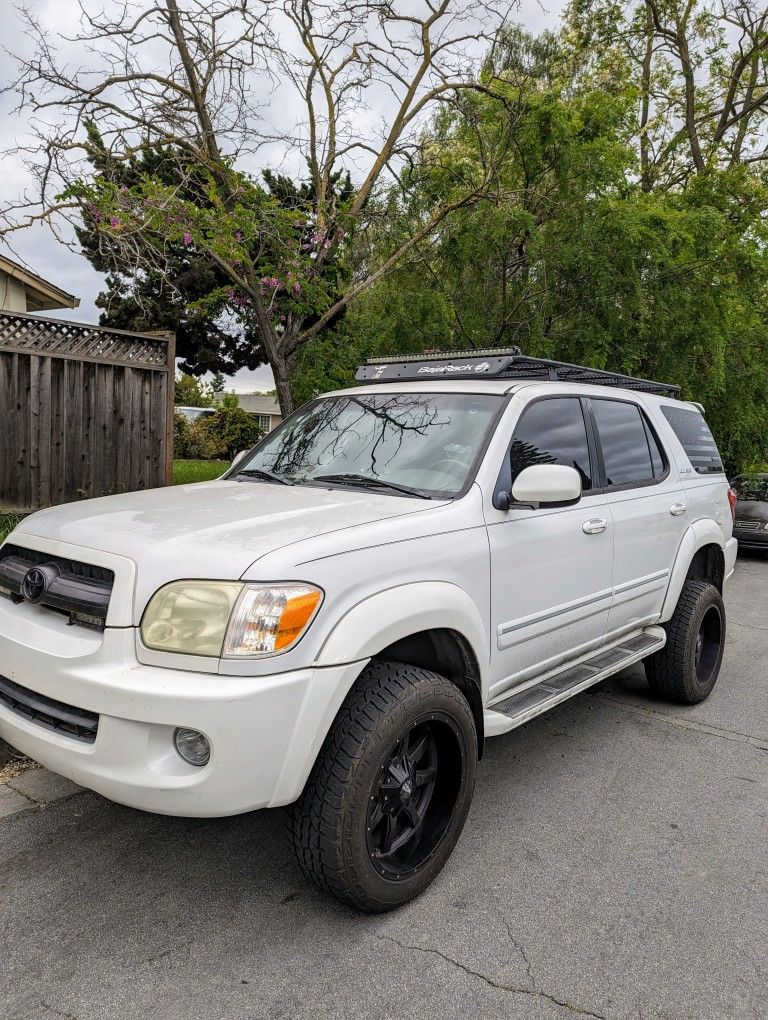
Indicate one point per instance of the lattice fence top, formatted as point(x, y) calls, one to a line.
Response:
point(35, 334)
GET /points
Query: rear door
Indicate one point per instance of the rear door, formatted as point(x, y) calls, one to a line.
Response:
point(701, 467)
point(648, 509)
point(551, 567)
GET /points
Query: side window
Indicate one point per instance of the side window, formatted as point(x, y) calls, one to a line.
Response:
point(695, 438)
point(552, 431)
point(630, 451)
point(657, 457)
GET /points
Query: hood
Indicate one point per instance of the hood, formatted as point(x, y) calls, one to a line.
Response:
point(210, 529)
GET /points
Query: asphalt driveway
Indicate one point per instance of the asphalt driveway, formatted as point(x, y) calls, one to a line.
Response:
point(613, 865)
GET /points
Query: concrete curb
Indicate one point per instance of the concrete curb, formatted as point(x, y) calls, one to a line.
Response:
point(7, 753)
point(34, 788)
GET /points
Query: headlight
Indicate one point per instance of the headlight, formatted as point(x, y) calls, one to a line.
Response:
point(228, 618)
point(267, 620)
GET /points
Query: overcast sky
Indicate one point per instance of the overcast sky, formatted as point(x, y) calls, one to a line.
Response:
point(36, 247)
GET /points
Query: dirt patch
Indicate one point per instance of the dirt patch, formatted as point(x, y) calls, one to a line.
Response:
point(12, 762)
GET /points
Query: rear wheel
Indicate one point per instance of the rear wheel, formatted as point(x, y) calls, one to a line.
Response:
point(388, 797)
point(687, 667)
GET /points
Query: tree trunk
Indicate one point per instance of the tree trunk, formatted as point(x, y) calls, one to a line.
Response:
point(645, 104)
point(282, 369)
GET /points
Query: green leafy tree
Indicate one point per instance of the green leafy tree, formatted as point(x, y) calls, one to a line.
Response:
point(178, 96)
point(177, 293)
point(573, 258)
point(697, 70)
point(233, 428)
point(190, 392)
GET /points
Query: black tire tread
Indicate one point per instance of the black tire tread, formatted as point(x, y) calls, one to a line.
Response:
point(666, 669)
point(312, 822)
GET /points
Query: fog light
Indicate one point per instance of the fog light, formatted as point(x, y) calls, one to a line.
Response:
point(192, 745)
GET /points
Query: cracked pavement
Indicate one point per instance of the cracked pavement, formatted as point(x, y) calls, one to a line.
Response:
point(613, 866)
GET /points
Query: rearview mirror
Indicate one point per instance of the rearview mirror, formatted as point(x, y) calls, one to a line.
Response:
point(546, 483)
point(238, 457)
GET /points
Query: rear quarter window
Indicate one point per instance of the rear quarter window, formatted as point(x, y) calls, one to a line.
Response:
point(695, 438)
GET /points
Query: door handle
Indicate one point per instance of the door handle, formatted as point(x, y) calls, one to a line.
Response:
point(594, 527)
point(677, 509)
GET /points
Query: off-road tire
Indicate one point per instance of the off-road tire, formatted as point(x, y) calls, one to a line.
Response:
point(328, 826)
point(672, 672)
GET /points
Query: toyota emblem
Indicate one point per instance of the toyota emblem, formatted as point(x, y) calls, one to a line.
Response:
point(34, 585)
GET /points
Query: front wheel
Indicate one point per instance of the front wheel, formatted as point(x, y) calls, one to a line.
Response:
point(388, 797)
point(687, 667)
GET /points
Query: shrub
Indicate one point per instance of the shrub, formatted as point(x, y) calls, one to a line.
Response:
point(234, 429)
point(192, 440)
point(181, 426)
point(215, 436)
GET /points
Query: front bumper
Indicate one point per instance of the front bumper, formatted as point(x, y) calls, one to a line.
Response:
point(731, 551)
point(752, 539)
point(265, 731)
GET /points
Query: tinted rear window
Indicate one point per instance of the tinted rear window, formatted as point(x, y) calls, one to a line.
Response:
point(626, 443)
point(695, 438)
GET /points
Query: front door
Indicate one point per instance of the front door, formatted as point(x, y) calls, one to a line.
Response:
point(550, 568)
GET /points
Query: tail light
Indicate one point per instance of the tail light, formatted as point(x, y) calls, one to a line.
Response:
point(732, 497)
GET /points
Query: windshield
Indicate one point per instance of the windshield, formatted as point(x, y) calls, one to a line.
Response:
point(752, 487)
point(420, 443)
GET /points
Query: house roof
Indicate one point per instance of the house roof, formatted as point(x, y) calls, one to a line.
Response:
point(42, 296)
point(259, 403)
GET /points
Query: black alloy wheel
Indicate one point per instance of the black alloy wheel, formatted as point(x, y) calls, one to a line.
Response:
point(709, 643)
point(687, 667)
point(415, 796)
point(389, 794)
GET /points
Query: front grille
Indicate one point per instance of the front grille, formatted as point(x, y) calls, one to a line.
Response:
point(53, 715)
point(79, 590)
point(749, 525)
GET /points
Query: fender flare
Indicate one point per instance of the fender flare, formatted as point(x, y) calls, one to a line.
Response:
point(699, 534)
point(388, 616)
point(364, 630)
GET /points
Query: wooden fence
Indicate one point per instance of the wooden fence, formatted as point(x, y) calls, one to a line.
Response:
point(84, 411)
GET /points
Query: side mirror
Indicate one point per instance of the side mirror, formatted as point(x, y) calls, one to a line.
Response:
point(554, 484)
point(238, 457)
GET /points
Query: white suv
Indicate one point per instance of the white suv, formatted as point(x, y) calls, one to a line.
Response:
point(398, 572)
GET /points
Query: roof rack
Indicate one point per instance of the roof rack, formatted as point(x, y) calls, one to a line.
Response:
point(499, 363)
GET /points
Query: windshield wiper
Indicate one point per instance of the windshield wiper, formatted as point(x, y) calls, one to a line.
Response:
point(268, 476)
point(367, 481)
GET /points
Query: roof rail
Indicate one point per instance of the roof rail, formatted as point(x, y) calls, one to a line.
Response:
point(499, 363)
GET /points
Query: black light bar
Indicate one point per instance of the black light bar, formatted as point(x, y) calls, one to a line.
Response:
point(499, 363)
point(438, 365)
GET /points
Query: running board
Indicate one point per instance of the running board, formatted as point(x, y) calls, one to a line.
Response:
point(566, 681)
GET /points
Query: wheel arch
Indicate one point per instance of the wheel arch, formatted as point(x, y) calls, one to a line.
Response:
point(434, 625)
point(388, 617)
point(448, 653)
point(701, 557)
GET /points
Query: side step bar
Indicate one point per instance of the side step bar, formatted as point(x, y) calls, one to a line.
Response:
point(566, 681)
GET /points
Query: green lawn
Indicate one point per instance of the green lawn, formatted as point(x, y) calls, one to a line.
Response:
point(186, 471)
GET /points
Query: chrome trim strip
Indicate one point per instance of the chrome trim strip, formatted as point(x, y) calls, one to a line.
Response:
point(640, 581)
point(588, 600)
point(548, 614)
